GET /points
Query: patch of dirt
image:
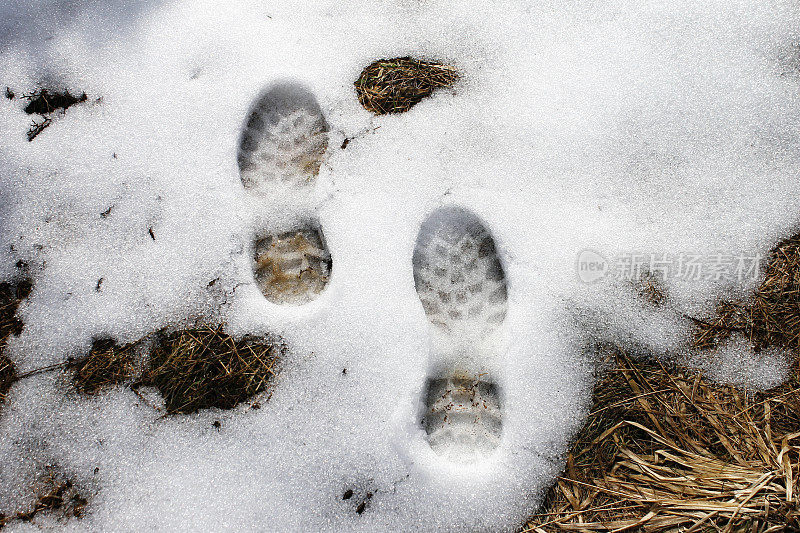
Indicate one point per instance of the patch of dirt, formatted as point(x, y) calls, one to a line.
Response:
point(204, 367)
point(193, 369)
point(11, 295)
point(106, 365)
point(8, 375)
point(396, 85)
point(650, 289)
point(56, 495)
point(359, 497)
point(45, 103)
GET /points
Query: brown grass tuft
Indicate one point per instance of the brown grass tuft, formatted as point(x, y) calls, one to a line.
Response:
point(396, 85)
point(8, 375)
point(11, 294)
point(10, 297)
point(664, 450)
point(56, 495)
point(201, 368)
point(650, 289)
point(107, 364)
point(772, 318)
point(44, 103)
point(775, 312)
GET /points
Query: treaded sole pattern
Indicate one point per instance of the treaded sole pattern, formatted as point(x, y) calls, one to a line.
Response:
point(462, 287)
point(284, 139)
point(292, 267)
point(282, 144)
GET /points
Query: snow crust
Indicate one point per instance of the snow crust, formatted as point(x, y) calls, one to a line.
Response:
point(613, 126)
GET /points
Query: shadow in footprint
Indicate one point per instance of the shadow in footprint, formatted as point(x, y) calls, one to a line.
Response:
point(284, 139)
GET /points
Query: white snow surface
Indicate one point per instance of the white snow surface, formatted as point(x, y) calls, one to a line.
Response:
point(616, 126)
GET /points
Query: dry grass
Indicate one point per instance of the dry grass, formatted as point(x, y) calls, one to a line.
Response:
point(107, 364)
point(396, 85)
point(201, 368)
point(650, 289)
point(192, 368)
point(56, 495)
point(775, 313)
point(11, 294)
point(44, 103)
point(665, 450)
point(10, 297)
point(8, 375)
point(772, 317)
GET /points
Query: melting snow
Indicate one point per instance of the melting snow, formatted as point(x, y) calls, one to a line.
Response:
point(659, 128)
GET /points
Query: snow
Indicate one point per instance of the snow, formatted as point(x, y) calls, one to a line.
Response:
point(656, 128)
point(735, 364)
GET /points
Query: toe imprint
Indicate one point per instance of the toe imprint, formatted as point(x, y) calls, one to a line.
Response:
point(284, 139)
point(458, 272)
